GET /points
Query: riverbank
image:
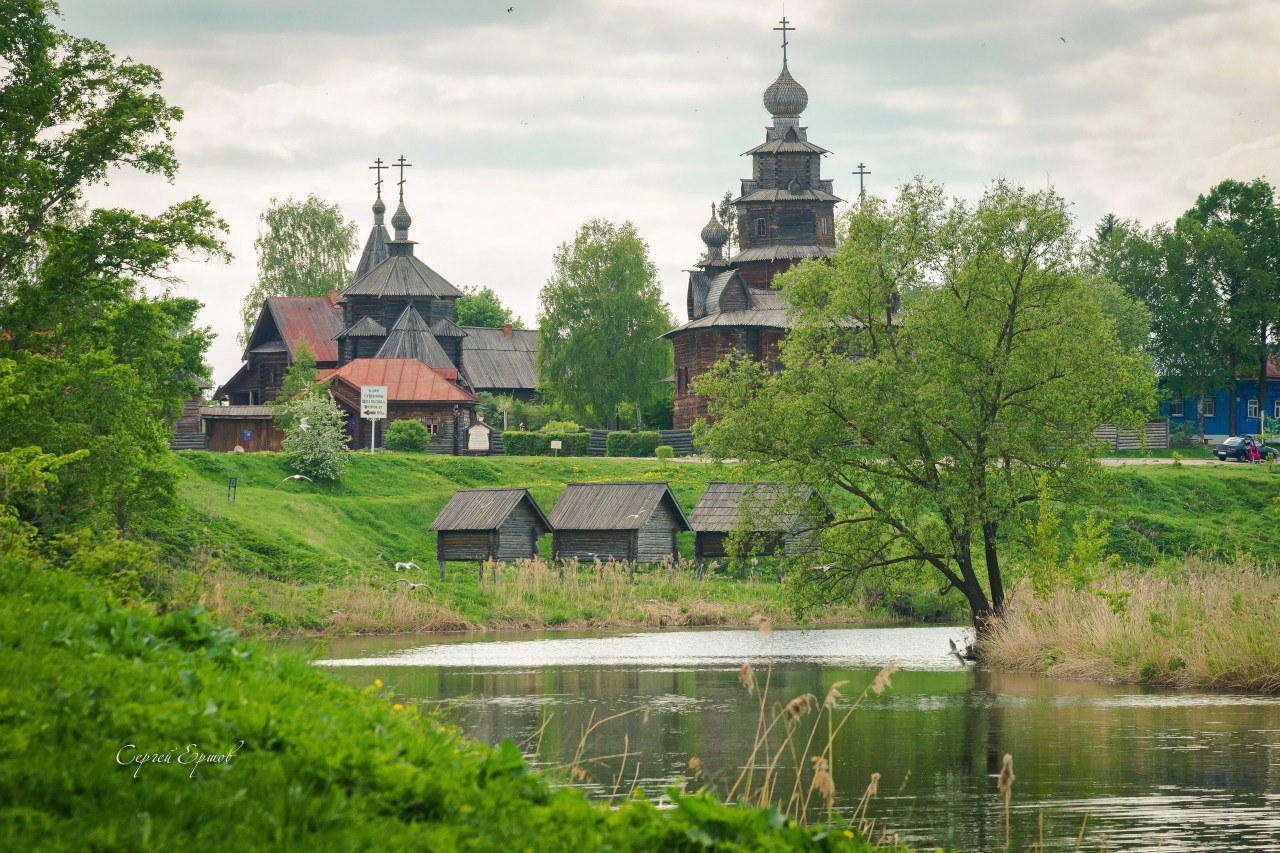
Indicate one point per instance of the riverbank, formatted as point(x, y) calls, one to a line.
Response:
point(130, 729)
point(1205, 624)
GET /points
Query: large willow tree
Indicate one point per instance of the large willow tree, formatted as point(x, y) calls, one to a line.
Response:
point(933, 423)
point(602, 316)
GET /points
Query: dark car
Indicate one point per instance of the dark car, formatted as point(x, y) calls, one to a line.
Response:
point(1237, 447)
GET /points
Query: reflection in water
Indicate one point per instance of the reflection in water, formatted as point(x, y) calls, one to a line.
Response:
point(1151, 770)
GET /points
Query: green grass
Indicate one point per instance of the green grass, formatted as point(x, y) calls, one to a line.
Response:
point(293, 557)
point(88, 683)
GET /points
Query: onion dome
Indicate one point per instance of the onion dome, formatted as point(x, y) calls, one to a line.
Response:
point(401, 221)
point(785, 98)
point(379, 208)
point(714, 234)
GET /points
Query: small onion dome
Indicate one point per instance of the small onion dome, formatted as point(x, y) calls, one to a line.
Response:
point(714, 234)
point(785, 98)
point(400, 219)
point(379, 208)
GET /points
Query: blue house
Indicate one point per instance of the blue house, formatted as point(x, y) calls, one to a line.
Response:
point(1181, 411)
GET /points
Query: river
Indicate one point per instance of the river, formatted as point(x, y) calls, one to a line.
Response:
point(1140, 769)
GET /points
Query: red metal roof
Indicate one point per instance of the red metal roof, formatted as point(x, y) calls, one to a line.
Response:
point(314, 318)
point(407, 379)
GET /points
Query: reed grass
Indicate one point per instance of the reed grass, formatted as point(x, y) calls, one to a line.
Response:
point(1210, 624)
point(527, 595)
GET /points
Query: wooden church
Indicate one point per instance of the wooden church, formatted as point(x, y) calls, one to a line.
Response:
point(785, 214)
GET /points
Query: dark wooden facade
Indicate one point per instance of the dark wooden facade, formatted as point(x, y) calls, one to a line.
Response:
point(626, 522)
point(248, 427)
point(489, 524)
point(782, 520)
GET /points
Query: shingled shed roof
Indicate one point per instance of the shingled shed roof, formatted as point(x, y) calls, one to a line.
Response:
point(611, 506)
point(407, 379)
point(492, 360)
point(483, 509)
point(365, 327)
point(780, 509)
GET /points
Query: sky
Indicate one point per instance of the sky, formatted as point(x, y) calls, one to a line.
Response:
point(523, 120)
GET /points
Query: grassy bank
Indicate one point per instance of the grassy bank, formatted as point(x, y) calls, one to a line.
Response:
point(289, 557)
point(1208, 624)
point(104, 708)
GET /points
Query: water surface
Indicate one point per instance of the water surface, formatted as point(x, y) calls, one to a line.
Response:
point(1147, 769)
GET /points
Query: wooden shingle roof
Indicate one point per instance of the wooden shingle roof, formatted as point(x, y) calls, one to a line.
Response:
point(410, 337)
point(483, 509)
point(611, 506)
point(402, 275)
point(492, 360)
point(772, 507)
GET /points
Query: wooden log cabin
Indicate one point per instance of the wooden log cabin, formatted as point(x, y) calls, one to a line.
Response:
point(626, 522)
point(775, 518)
point(489, 524)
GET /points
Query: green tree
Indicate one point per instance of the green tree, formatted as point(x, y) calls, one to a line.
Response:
point(100, 349)
point(317, 444)
point(482, 307)
point(728, 216)
point(304, 251)
point(934, 438)
point(1236, 227)
point(602, 317)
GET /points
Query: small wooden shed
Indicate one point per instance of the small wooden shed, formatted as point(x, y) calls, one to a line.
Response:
point(781, 519)
point(634, 522)
point(250, 428)
point(489, 524)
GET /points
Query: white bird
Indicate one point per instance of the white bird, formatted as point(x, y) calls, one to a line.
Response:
point(413, 585)
point(955, 651)
point(410, 565)
point(303, 425)
point(294, 477)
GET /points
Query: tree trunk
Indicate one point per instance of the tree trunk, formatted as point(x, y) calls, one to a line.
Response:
point(122, 518)
point(1200, 414)
point(1231, 401)
point(994, 582)
point(1262, 389)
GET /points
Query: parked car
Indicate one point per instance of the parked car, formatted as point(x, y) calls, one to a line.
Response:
point(1237, 447)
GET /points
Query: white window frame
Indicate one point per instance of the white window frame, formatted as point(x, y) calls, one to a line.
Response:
point(1275, 408)
point(1177, 407)
point(1209, 406)
point(1251, 408)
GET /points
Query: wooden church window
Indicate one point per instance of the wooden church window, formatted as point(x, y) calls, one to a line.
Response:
point(762, 228)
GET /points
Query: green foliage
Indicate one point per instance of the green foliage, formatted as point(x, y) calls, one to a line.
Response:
point(998, 367)
point(312, 764)
point(1177, 458)
point(601, 324)
point(632, 444)
point(533, 415)
point(560, 426)
point(408, 435)
point(300, 378)
point(664, 451)
point(482, 307)
point(320, 450)
point(539, 443)
point(728, 216)
point(303, 252)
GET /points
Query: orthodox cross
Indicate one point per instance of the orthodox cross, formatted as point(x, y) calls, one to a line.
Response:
point(402, 165)
point(377, 164)
point(861, 173)
point(784, 29)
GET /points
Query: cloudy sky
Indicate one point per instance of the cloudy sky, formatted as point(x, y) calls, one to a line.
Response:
point(524, 123)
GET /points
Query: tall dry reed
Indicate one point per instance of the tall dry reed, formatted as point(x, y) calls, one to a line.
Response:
point(1212, 624)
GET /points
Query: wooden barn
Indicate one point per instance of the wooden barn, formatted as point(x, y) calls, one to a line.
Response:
point(780, 519)
point(250, 428)
point(489, 524)
point(633, 522)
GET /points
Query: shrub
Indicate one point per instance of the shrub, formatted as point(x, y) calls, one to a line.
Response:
point(408, 435)
point(664, 451)
point(560, 426)
point(539, 443)
point(320, 450)
point(632, 443)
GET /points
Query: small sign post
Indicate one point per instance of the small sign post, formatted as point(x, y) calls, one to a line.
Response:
point(373, 405)
point(556, 444)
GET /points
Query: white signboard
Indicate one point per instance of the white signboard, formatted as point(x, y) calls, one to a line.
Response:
point(373, 401)
point(557, 445)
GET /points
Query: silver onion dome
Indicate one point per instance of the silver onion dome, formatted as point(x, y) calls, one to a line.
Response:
point(401, 221)
point(785, 98)
point(714, 234)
